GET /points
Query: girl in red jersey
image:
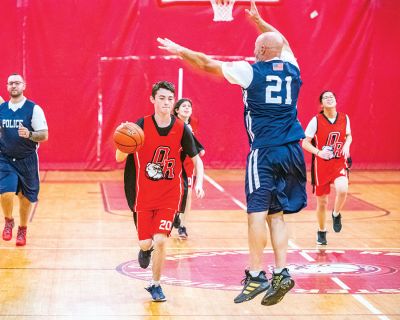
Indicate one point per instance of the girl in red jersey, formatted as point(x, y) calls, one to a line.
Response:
point(153, 180)
point(328, 138)
point(183, 109)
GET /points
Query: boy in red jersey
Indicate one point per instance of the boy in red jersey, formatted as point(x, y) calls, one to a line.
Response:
point(153, 179)
point(328, 138)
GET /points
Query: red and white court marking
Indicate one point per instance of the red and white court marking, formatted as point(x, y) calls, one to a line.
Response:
point(315, 271)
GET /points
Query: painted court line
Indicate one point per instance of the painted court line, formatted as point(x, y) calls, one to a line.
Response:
point(360, 299)
point(221, 189)
point(241, 205)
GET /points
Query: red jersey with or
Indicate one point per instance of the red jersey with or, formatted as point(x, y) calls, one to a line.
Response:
point(333, 135)
point(159, 183)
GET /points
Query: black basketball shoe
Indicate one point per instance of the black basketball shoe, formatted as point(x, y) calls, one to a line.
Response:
point(281, 284)
point(253, 286)
point(321, 238)
point(337, 222)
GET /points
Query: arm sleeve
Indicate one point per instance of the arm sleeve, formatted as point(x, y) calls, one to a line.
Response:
point(188, 143)
point(140, 122)
point(38, 121)
point(199, 146)
point(289, 57)
point(311, 129)
point(130, 181)
point(238, 72)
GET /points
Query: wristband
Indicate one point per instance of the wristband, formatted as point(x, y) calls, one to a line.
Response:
point(30, 134)
point(317, 153)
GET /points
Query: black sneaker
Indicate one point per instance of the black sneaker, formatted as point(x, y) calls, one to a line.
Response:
point(337, 222)
point(182, 233)
point(321, 238)
point(177, 221)
point(281, 284)
point(144, 258)
point(156, 293)
point(253, 286)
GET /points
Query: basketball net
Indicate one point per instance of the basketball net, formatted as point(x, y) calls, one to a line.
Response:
point(222, 9)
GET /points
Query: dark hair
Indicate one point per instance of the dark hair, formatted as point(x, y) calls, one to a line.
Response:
point(164, 85)
point(322, 94)
point(179, 103)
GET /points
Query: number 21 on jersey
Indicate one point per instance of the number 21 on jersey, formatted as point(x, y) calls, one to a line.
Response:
point(274, 92)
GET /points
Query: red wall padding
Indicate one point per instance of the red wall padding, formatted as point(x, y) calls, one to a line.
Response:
point(82, 56)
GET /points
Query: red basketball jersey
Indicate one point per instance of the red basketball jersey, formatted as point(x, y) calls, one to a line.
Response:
point(334, 136)
point(159, 183)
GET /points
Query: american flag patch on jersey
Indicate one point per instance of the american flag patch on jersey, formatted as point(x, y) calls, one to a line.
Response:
point(277, 66)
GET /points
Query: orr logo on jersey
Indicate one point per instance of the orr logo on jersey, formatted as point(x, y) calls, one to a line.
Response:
point(161, 166)
point(333, 143)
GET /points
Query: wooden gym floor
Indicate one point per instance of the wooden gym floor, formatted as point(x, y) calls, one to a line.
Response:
point(80, 258)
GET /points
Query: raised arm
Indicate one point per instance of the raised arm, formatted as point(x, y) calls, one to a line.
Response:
point(197, 59)
point(263, 26)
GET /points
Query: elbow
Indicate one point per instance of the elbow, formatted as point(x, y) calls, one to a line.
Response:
point(45, 137)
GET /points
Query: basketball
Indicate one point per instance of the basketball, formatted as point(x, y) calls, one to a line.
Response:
point(128, 137)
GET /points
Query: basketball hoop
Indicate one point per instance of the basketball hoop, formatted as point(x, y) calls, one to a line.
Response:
point(222, 9)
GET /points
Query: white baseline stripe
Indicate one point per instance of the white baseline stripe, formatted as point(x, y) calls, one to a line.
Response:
point(220, 188)
point(360, 299)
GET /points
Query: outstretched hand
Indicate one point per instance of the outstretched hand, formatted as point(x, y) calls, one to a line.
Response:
point(253, 12)
point(170, 46)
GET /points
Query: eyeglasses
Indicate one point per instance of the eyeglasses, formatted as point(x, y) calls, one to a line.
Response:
point(328, 97)
point(17, 83)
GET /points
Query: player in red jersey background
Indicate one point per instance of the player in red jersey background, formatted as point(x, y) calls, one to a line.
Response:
point(328, 138)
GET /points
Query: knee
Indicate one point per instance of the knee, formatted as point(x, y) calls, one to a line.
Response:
point(145, 244)
point(276, 220)
point(160, 240)
point(322, 202)
point(341, 191)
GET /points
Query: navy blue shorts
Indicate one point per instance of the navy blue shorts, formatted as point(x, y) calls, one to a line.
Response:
point(276, 179)
point(20, 175)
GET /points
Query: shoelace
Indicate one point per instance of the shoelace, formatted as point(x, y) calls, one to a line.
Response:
point(9, 224)
point(245, 279)
point(159, 291)
point(276, 280)
point(21, 233)
point(8, 227)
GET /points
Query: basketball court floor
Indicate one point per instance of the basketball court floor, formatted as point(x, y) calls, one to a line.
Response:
point(80, 258)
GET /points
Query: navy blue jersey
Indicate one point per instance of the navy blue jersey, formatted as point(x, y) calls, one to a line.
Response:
point(11, 144)
point(271, 104)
